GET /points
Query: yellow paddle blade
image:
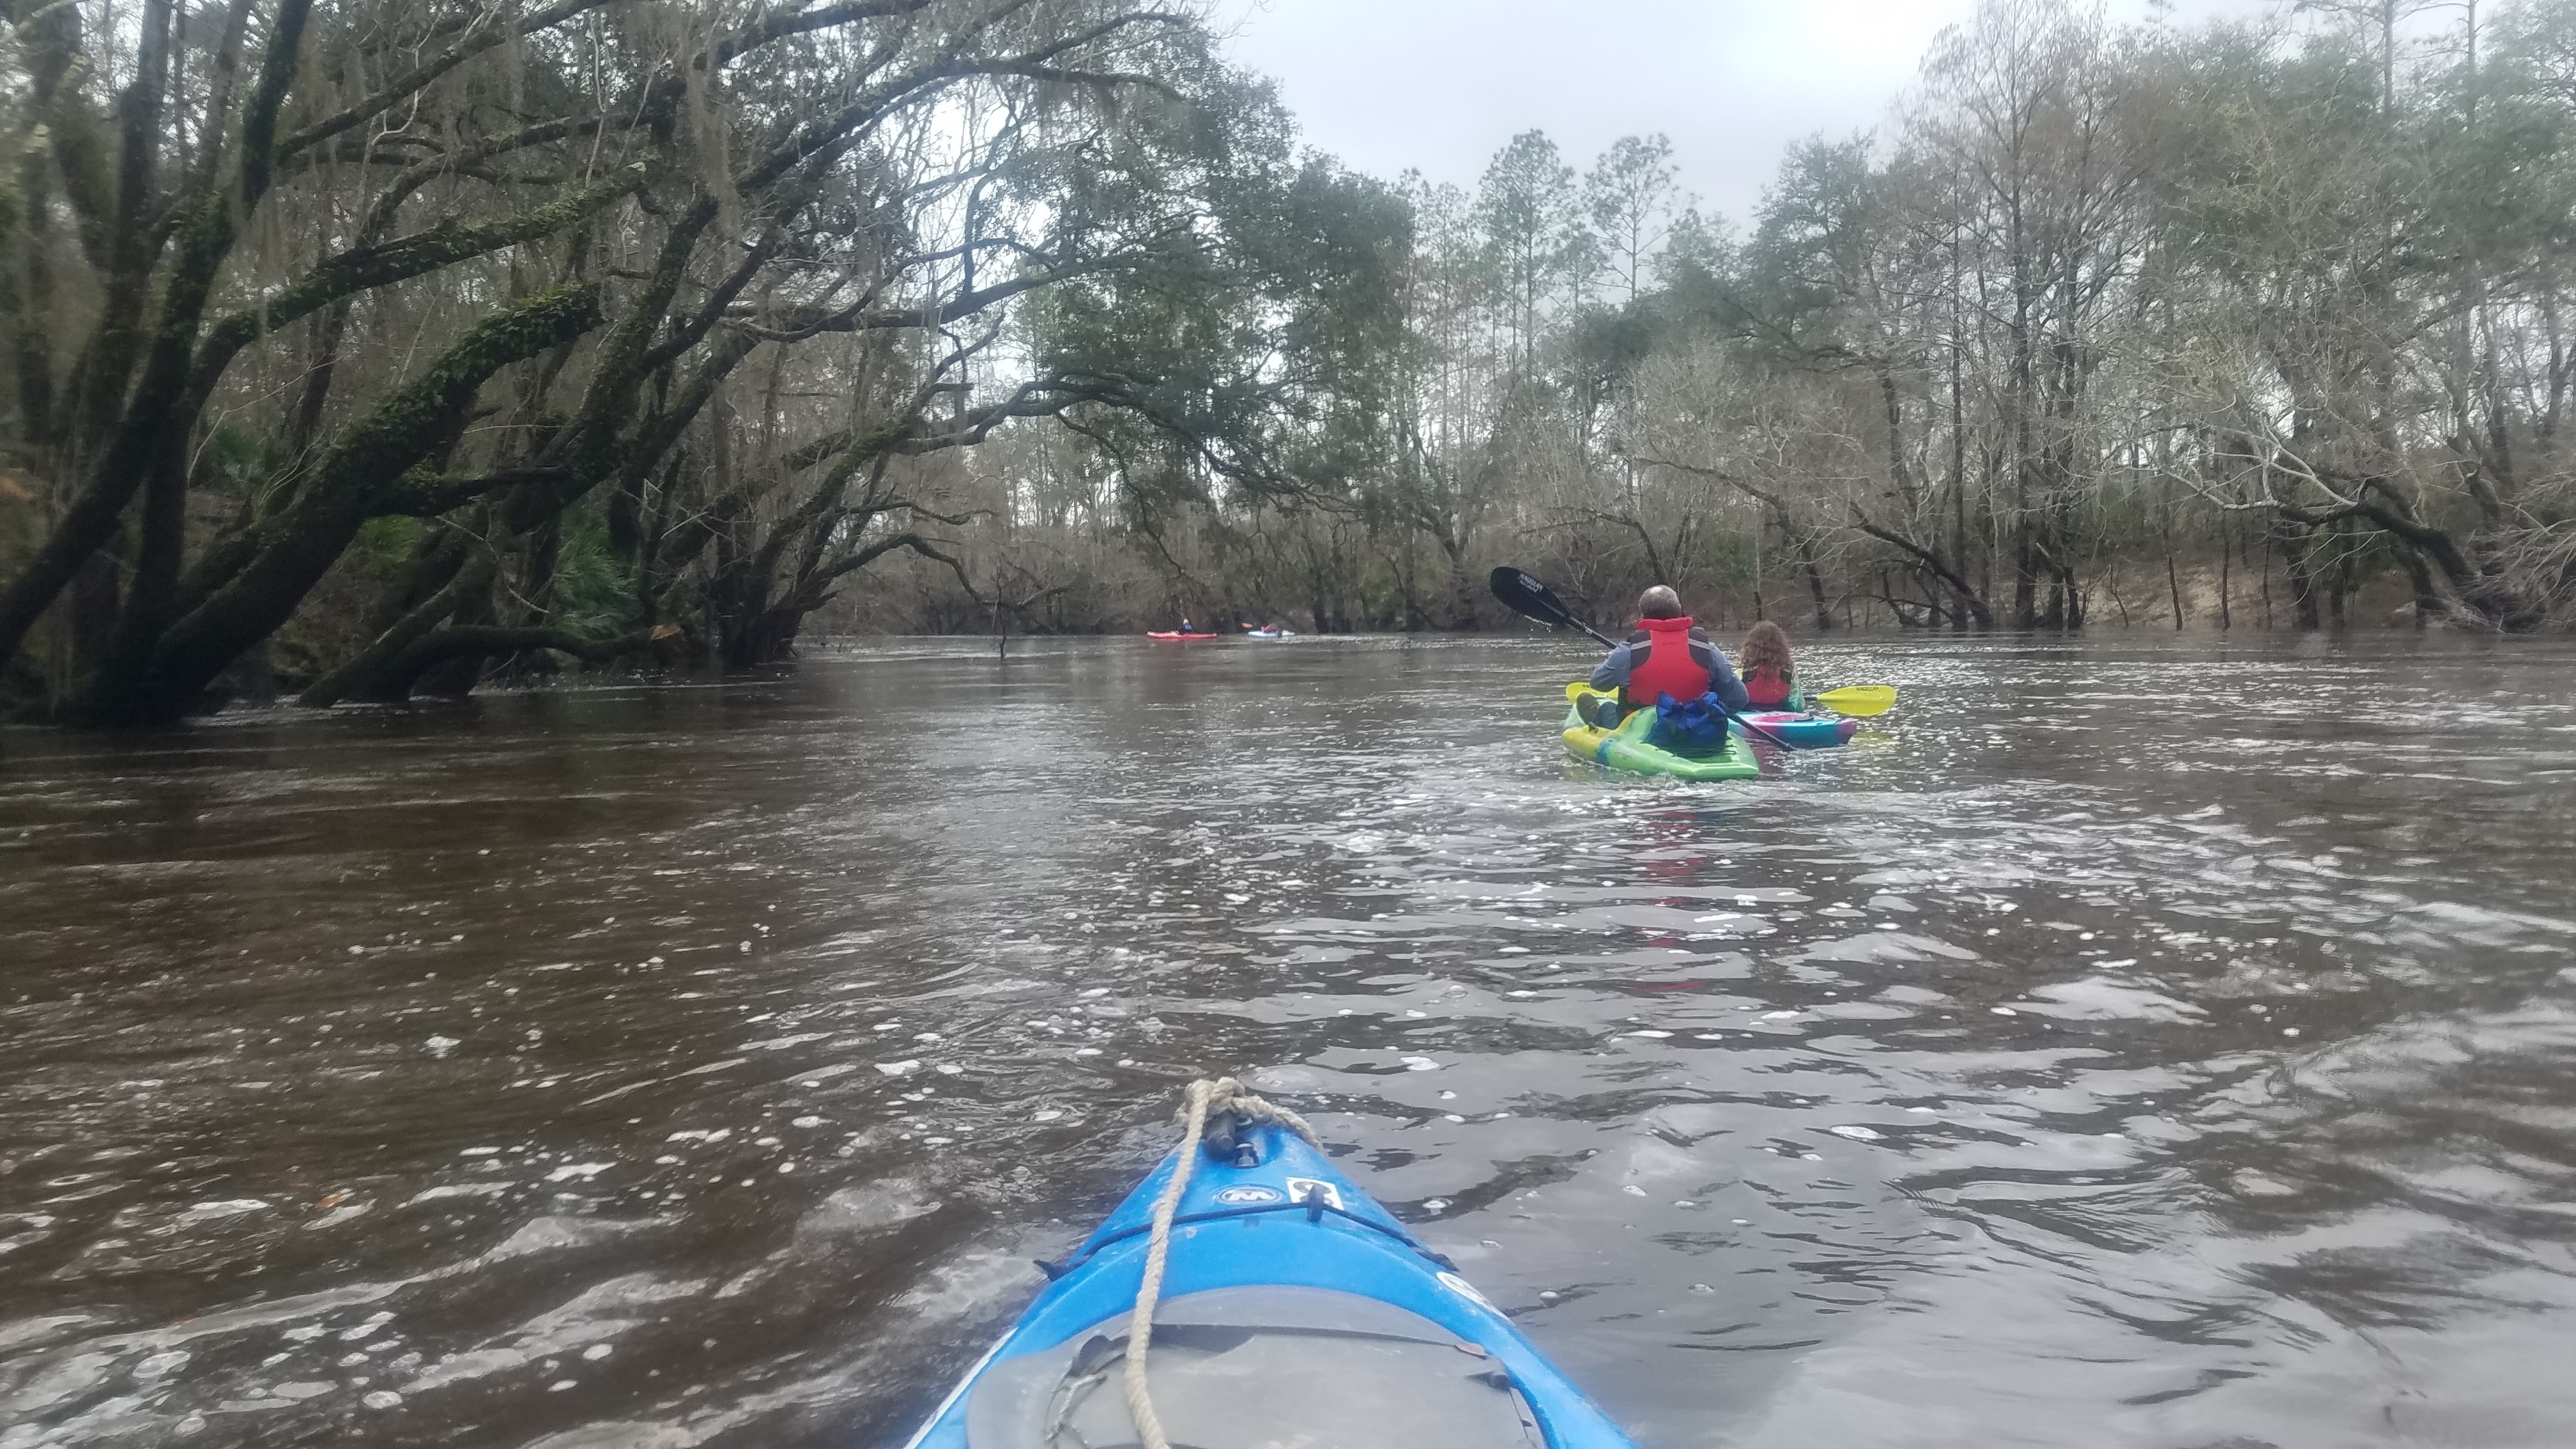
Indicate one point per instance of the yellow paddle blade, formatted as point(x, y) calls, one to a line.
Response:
point(1859, 700)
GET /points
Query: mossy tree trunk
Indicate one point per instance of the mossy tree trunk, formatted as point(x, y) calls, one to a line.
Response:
point(368, 470)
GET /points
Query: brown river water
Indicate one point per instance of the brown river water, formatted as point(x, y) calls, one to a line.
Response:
point(2136, 1042)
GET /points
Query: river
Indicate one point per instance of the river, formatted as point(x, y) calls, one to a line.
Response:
point(2136, 1042)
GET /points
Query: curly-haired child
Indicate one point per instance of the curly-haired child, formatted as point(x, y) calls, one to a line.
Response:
point(1770, 681)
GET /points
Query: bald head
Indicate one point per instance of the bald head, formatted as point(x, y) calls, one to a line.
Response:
point(1659, 602)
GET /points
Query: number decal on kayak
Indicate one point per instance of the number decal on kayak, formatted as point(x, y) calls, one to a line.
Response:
point(1465, 1289)
point(1247, 1195)
point(1307, 1189)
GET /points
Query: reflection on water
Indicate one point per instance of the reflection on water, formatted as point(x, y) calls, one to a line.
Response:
point(2133, 1044)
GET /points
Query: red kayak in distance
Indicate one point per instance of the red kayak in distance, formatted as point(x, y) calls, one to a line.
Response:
point(1167, 634)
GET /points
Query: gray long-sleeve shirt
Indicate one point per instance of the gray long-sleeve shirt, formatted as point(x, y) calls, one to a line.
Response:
point(1612, 672)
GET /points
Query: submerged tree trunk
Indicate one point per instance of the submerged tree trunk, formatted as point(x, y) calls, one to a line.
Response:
point(2290, 540)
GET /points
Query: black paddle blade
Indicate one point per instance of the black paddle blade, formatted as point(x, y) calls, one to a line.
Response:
point(1526, 596)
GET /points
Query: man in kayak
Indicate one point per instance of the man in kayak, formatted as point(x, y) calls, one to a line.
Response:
point(1665, 656)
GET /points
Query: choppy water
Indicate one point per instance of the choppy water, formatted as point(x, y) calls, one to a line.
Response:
point(2138, 1043)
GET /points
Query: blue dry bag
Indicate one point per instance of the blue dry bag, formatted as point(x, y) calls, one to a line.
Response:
point(1690, 726)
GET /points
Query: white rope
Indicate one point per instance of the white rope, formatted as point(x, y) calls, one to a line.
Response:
point(1225, 1094)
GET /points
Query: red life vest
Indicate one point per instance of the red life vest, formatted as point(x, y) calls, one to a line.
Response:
point(1768, 688)
point(1660, 662)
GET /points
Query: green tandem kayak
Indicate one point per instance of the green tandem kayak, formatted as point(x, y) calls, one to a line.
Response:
point(1626, 748)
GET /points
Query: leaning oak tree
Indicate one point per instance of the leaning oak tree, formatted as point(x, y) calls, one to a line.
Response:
point(668, 295)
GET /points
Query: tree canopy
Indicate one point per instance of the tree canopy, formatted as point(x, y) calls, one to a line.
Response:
point(388, 349)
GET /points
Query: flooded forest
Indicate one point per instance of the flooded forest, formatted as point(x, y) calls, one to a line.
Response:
point(358, 351)
point(638, 762)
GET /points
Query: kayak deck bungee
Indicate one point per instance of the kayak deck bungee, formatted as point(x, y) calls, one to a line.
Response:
point(1293, 1310)
point(1628, 748)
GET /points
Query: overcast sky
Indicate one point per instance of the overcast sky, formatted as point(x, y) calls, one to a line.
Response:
point(1440, 85)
